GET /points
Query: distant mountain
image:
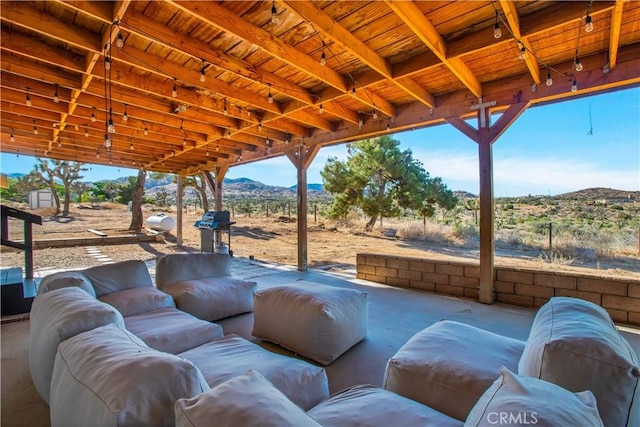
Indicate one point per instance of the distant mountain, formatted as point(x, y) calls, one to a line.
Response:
point(310, 187)
point(600, 193)
point(461, 195)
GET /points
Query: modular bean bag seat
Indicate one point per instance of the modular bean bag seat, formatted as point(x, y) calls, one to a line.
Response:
point(573, 343)
point(202, 285)
point(250, 400)
point(317, 321)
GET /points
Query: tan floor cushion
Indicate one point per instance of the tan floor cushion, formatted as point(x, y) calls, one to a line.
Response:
point(109, 377)
point(448, 366)
point(172, 330)
point(317, 321)
point(303, 383)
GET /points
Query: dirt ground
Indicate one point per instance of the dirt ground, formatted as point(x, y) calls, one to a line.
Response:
point(272, 239)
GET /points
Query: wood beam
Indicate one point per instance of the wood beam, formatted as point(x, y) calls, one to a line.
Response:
point(511, 13)
point(219, 17)
point(614, 33)
point(374, 101)
point(507, 118)
point(422, 27)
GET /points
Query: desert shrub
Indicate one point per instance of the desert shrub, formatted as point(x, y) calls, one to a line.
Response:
point(429, 232)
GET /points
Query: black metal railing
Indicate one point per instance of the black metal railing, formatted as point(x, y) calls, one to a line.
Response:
point(27, 244)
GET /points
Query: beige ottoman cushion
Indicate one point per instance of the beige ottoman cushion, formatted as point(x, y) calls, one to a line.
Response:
point(448, 366)
point(574, 343)
point(303, 383)
point(319, 322)
point(248, 400)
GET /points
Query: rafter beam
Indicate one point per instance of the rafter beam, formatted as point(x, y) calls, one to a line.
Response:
point(412, 16)
point(614, 33)
point(219, 17)
point(511, 13)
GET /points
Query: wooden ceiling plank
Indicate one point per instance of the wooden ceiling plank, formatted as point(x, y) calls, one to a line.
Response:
point(219, 17)
point(614, 34)
point(26, 16)
point(339, 35)
point(311, 119)
point(511, 13)
point(24, 67)
point(96, 9)
point(374, 101)
point(159, 33)
point(412, 16)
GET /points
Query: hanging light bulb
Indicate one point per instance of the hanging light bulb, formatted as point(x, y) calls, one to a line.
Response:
point(86, 133)
point(93, 117)
point(145, 132)
point(120, 40)
point(12, 138)
point(131, 146)
point(125, 116)
point(111, 128)
point(35, 129)
point(388, 125)
point(374, 114)
point(578, 65)
point(270, 97)
point(56, 97)
point(549, 79)
point(174, 92)
point(574, 86)
point(360, 123)
point(497, 32)
point(107, 63)
point(217, 147)
point(267, 141)
point(224, 110)
point(274, 13)
point(59, 142)
point(323, 58)
point(184, 142)
point(523, 53)
point(321, 109)
point(28, 99)
point(107, 140)
point(287, 139)
point(98, 154)
point(207, 153)
point(203, 76)
point(259, 126)
point(588, 26)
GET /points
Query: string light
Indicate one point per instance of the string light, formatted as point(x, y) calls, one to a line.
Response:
point(360, 123)
point(28, 99)
point(145, 131)
point(35, 129)
point(323, 57)
point(184, 142)
point(207, 153)
point(203, 76)
point(374, 114)
point(12, 138)
point(287, 139)
point(93, 116)
point(321, 109)
point(59, 142)
point(111, 128)
point(120, 40)
point(574, 85)
point(130, 145)
point(98, 154)
point(388, 125)
point(107, 63)
point(523, 53)
point(267, 141)
point(86, 132)
point(549, 79)
point(56, 97)
point(125, 117)
point(270, 97)
point(259, 126)
point(107, 140)
point(578, 65)
point(174, 92)
point(274, 13)
point(497, 32)
point(588, 26)
point(224, 110)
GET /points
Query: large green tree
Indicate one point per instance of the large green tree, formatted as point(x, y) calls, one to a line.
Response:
point(50, 170)
point(381, 179)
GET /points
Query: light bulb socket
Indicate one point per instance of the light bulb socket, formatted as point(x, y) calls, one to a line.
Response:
point(274, 14)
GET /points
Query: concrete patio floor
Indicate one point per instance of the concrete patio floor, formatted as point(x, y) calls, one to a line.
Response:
point(395, 315)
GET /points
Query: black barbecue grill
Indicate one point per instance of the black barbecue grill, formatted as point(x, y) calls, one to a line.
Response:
point(213, 225)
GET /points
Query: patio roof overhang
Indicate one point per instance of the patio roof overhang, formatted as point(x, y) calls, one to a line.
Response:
point(204, 86)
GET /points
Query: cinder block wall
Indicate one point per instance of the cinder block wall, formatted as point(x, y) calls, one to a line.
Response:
point(519, 286)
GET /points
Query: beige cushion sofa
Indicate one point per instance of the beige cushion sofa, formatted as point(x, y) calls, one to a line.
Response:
point(250, 400)
point(573, 343)
point(202, 285)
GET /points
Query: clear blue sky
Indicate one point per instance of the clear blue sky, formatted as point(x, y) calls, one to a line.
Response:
point(548, 150)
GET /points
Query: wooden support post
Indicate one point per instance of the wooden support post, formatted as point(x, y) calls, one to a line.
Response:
point(179, 191)
point(301, 159)
point(485, 136)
